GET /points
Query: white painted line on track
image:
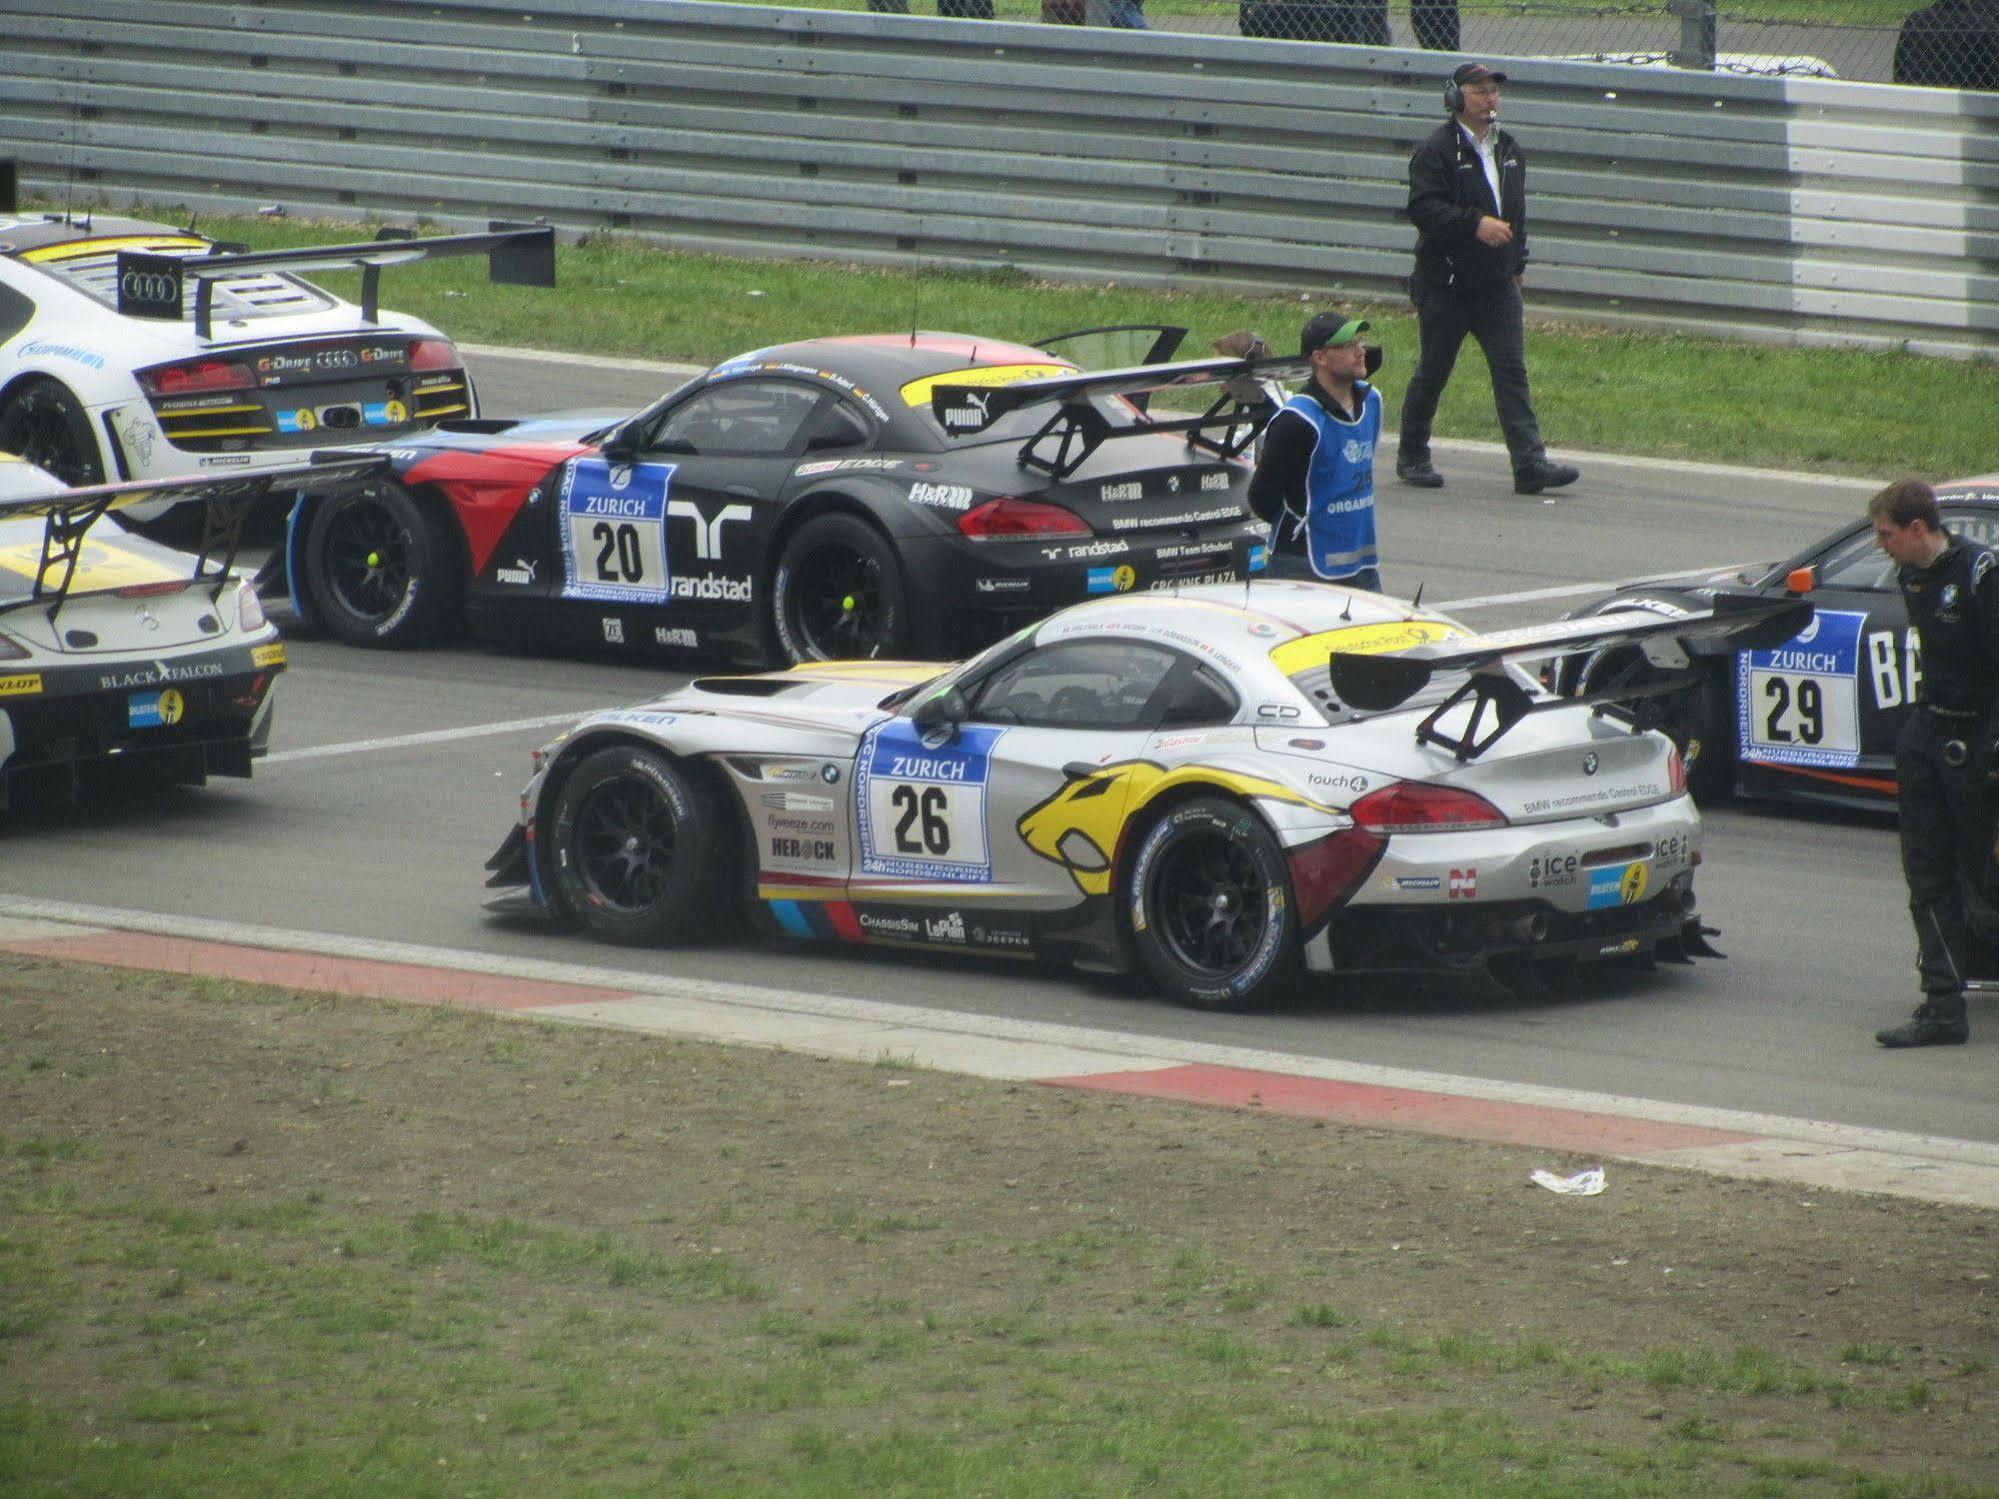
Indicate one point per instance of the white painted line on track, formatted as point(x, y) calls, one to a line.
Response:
point(1117, 1049)
point(434, 736)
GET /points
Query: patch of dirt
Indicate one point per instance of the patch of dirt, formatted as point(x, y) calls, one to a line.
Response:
point(839, 1185)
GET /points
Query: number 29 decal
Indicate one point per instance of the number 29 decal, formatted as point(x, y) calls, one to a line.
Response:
point(1799, 703)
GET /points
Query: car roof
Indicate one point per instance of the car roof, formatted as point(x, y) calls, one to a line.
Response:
point(19, 236)
point(1294, 625)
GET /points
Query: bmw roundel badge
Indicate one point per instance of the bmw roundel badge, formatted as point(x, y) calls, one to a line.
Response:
point(1590, 763)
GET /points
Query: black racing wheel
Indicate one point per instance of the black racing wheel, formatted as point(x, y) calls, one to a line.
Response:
point(45, 424)
point(640, 850)
point(379, 568)
point(1211, 906)
point(838, 593)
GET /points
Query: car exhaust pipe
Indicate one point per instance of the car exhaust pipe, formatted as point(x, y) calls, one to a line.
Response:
point(1530, 928)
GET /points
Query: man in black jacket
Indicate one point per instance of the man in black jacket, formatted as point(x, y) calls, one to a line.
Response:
point(1948, 752)
point(1468, 201)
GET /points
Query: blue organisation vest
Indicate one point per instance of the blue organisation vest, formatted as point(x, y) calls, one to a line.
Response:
point(1339, 487)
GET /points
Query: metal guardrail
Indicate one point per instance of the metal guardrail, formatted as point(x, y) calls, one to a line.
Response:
point(1795, 209)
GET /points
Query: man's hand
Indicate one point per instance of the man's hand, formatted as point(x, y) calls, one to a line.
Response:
point(1494, 232)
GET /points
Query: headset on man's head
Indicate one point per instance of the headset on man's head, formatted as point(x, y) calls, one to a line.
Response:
point(1454, 94)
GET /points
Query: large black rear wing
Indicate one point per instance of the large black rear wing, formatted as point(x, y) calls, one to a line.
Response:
point(1077, 429)
point(226, 501)
point(1379, 682)
point(152, 285)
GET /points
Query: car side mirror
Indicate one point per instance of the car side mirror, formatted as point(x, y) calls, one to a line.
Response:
point(1801, 580)
point(941, 710)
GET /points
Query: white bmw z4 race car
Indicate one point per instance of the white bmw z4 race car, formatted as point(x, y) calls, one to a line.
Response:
point(136, 350)
point(1218, 787)
point(121, 655)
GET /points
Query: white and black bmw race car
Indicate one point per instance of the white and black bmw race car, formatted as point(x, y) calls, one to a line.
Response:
point(119, 654)
point(1217, 787)
point(137, 350)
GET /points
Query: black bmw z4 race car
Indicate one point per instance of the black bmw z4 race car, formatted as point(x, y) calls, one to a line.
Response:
point(895, 495)
point(1812, 719)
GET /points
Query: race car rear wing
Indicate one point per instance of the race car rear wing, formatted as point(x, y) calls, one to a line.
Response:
point(226, 501)
point(1077, 429)
point(1379, 682)
point(154, 286)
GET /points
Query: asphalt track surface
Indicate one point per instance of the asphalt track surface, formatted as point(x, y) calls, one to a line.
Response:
point(394, 776)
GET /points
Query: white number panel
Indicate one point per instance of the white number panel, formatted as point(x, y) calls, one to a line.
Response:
point(613, 519)
point(922, 810)
point(1799, 703)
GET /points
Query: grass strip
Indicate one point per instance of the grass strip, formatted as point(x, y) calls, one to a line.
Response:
point(1707, 399)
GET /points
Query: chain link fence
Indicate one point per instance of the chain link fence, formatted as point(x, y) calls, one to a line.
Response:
point(1947, 43)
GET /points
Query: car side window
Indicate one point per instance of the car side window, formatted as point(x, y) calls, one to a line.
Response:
point(837, 425)
point(1078, 684)
point(1194, 695)
point(1859, 565)
point(737, 416)
point(1978, 525)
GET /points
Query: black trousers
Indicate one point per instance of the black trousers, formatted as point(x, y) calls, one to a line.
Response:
point(1444, 319)
point(1946, 813)
point(1436, 24)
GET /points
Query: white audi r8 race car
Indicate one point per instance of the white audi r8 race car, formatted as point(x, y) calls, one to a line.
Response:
point(1218, 787)
point(118, 654)
point(137, 350)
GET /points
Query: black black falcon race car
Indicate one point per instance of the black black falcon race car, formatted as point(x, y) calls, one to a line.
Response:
point(1814, 718)
point(912, 494)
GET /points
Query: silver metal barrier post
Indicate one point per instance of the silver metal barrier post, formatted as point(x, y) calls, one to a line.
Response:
point(1697, 34)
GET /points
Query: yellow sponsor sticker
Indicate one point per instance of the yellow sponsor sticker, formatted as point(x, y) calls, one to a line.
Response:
point(1294, 656)
point(1632, 886)
point(1123, 578)
point(268, 655)
point(172, 706)
point(396, 412)
point(99, 566)
point(917, 392)
point(21, 684)
point(80, 249)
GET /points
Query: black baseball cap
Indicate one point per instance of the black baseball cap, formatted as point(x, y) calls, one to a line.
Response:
point(1475, 72)
point(1328, 330)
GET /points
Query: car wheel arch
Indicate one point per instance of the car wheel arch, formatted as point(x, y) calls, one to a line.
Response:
point(431, 503)
point(1140, 821)
point(107, 458)
point(572, 756)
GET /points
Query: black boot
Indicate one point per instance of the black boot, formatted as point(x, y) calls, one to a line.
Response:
point(1931, 1025)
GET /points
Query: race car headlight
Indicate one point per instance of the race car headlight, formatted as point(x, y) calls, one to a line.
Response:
point(1007, 518)
point(249, 608)
point(1419, 807)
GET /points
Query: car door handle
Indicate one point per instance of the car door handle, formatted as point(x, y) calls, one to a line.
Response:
point(749, 490)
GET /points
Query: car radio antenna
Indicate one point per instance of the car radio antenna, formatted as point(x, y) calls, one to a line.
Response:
point(1417, 602)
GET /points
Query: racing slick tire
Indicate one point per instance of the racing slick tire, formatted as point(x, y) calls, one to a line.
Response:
point(45, 424)
point(1211, 906)
point(379, 568)
point(638, 849)
point(1695, 720)
point(838, 593)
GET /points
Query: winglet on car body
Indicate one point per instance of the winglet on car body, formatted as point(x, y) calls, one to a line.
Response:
point(152, 285)
point(1078, 429)
point(227, 499)
point(1379, 682)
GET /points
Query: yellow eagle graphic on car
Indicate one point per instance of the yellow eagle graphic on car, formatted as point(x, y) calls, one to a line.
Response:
point(1078, 826)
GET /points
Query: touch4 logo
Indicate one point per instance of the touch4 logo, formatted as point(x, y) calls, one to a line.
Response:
point(1464, 884)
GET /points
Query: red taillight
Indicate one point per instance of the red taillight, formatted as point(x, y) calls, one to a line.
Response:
point(1676, 771)
point(432, 354)
point(1419, 807)
point(150, 590)
point(195, 377)
point(1010, 517)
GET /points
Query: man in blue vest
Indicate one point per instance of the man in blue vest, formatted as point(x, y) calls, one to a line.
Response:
point(1314, 481)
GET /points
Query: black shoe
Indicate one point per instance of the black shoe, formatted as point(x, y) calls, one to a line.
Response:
point(1419, 474)
point(1925, 1030)
point(1542, 474)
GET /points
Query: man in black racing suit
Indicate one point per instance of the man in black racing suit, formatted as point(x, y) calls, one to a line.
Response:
point(1948, 751)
